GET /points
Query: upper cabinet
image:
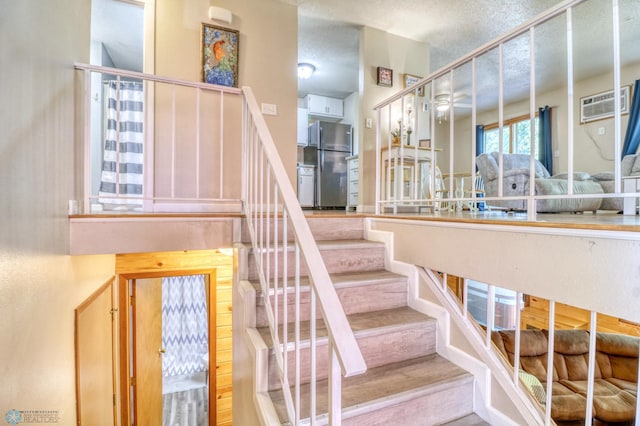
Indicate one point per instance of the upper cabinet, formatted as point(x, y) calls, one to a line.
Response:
point(324, 106)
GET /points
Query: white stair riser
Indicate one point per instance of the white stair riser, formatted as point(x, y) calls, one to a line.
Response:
point(379, 349)
point(432, 409)
point(336, 261)
point(372, 297)
point(322, 229)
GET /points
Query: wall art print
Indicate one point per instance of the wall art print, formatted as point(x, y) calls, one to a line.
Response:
point(220, 55)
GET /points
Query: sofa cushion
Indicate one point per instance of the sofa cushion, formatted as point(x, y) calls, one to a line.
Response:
point(576, 176)
point(603, 176)
point(520, 161)
point(566, 405)
point(635, 168)
point(617, 356)
point(560, 187)
point(615, 408)
point(625, 385)
point(571, 354)
point(610, 403)
point(533, 351)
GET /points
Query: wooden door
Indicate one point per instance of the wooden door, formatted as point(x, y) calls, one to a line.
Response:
point(147, 354)
point(95, 383)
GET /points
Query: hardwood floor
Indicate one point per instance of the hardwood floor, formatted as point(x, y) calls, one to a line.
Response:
point(602, 220)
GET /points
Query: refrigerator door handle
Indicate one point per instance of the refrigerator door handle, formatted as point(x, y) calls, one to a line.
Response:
point(321, 159)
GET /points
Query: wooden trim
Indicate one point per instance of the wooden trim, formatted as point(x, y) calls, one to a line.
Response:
point(81, 308)
point(213, 364)
point(125, 336)
point(125, 362)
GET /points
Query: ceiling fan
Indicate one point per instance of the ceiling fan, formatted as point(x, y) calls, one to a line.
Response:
point(442, 102)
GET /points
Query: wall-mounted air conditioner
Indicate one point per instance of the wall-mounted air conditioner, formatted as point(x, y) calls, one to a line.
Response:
point(601, 105)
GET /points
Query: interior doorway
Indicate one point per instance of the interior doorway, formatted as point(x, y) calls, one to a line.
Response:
point(140, 336)
point(170, 352)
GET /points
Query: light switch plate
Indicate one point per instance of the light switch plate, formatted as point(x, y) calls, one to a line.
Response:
point(269, 109)
point(368, 123)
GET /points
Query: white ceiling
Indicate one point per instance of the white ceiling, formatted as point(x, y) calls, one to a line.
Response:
point(119, 26)
point(329, 38)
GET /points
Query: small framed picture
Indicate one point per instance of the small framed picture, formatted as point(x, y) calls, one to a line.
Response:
point(385, 77)
point(219, 49)
point(410, 79)
point(424, 143)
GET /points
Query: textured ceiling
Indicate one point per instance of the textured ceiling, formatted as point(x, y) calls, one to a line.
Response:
point(328, 38)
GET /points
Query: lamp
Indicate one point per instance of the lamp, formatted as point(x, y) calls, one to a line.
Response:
point(305, 70)
point(220, 14)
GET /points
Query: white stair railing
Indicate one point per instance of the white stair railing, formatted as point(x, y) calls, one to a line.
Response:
point(412, 113)
point(460, 308)
point(272, 211)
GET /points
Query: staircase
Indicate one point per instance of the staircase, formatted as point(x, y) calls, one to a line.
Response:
point(407, 382)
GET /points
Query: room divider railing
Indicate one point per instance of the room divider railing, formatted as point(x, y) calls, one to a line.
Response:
point(158, 144)
point(434, 122)
point(284, 248)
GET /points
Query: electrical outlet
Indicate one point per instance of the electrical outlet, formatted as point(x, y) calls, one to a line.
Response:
point(368, 123)
point(601, 131)
point(269, 109)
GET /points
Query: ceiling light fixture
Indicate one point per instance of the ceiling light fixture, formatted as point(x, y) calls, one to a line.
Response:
point(305, 70)
point(442, 103)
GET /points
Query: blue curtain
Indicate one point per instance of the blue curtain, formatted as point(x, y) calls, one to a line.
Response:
point(632, 137)
point(479, 139)
point(546, 148)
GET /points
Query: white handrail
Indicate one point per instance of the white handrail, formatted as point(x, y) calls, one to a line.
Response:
point(262, 166)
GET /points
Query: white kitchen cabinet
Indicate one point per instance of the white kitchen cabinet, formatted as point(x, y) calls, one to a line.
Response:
point(325, 106)
point(303, 127)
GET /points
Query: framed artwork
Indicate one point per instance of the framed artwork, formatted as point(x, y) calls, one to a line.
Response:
point(424, 143)
point(219, 49)
point(385, 77)
point(410, 79)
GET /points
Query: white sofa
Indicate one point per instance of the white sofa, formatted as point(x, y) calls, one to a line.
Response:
point(630, 166)
point(515, 182)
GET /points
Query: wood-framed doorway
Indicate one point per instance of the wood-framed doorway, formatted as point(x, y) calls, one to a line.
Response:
point(218, 265)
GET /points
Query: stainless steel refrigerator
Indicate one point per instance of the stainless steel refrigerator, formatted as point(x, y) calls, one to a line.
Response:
point(329, 147)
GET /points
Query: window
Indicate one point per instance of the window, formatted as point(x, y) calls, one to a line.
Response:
point(516, 136)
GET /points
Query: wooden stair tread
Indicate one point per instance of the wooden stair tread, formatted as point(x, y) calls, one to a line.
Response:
point(344, 279)
point(361, 323)
point(385, 385)
point(331, 245)
point(470, 420)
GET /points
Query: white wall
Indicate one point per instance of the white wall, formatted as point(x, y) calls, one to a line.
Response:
point(40, 285)
point(402, 55)
point(267, 61)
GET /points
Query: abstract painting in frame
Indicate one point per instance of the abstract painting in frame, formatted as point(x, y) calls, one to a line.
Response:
point(219, 47)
